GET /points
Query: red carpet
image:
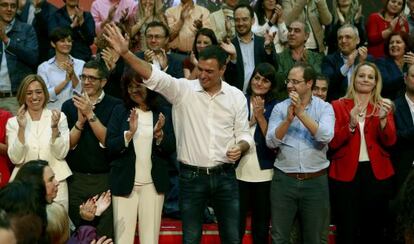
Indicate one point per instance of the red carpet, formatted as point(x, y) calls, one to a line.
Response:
point(171, 233)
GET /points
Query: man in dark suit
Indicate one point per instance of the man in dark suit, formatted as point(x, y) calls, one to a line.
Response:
point(338, 67)
point(37, 13)
point(157, 38)
point(403, 156)
point(251, 49)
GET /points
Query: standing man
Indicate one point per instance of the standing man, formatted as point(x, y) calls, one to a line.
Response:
point(301, 128)
point(222, 20)
point(184, 21)
point(251, 49)
point(297, 52)
point(339, 66)
point(403, 156)
point(210, 123)
point(82, 25)
point(18, 53)
point(88, 116)
point(37, 13)
point(315, 14)
point(157, 37)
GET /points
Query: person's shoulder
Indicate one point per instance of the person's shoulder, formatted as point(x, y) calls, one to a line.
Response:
point(201, 8)
point(374, 16)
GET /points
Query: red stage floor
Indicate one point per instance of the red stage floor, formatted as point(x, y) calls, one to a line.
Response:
point(171, 233)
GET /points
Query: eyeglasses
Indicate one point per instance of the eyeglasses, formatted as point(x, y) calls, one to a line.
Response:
point(157, 37)
point(89, 78)
point(6, 5)
point(293, 81)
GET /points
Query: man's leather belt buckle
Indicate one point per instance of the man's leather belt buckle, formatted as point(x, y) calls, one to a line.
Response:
point(307, 176)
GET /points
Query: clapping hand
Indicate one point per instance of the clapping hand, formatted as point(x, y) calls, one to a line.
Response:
point(21, 116)
point(87, 209)
point(258, 106)
point(158, 132)
point(297, 103)
point(55, 118)
point(110, 57)
point(198, 23)
point(386, 106)
point(103, 202)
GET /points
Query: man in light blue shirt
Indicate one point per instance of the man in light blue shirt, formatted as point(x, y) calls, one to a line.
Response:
point(301, 128)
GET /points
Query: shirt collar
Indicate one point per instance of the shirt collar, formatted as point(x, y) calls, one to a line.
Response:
point(241, 41)
point(10, 26)
point(410, 103)
point(53, 60)
point(100, 98)
point(224, 87)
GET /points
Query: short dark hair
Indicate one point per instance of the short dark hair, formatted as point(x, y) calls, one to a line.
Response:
point(214, 52)
point(158, 24)
point(60, 33)
point(244, 5)
point(204, 32)
point(99, 65)
point(309, 73)
point(129, 76)
point(322, 77)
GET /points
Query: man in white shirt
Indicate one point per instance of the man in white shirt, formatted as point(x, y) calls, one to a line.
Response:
point(211, 127)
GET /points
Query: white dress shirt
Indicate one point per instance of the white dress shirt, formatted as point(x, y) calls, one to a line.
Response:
point(205, 126)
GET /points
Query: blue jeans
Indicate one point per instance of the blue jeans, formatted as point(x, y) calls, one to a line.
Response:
point(221, 188)
point(309, 198)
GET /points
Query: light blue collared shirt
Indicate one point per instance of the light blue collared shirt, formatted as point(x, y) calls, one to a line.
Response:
point(247, 51)
point(299, 150)
point(53, 75)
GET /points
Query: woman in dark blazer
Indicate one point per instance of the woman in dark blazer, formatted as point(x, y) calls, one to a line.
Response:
point(140, 138)
point(255, 169)
point(361, 168)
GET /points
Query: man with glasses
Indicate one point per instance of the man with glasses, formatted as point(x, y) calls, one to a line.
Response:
point(301, 128)
point(157, 36)
point(18, 53)
point(88, 114)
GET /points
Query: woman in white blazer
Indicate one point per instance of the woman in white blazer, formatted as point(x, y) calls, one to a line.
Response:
point(39, 133)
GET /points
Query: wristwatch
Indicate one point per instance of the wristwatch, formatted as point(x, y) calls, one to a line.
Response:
point(93, 118)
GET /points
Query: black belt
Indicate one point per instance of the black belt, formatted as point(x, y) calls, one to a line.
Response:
point(208, 170)
point(4, 94)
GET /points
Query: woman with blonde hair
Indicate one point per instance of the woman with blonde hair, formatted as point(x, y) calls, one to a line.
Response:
point(361, 168)
point(147, 12)
point(39, 133)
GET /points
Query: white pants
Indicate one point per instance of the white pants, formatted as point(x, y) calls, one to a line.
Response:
point(144, 203)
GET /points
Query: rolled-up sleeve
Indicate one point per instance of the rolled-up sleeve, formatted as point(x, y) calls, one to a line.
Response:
point(275, 120)
point(326, 124)
point(241, 127)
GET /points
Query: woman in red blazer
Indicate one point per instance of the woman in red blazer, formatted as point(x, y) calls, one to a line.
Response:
point(360, 164)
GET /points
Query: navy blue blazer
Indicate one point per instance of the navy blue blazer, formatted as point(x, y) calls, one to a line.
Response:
point(122, 173)
point(331, 68)
point(403, 156)
point(21, 54)
point(234, 74)
point(393, 84)
point(82, 36)
point(265, 155)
